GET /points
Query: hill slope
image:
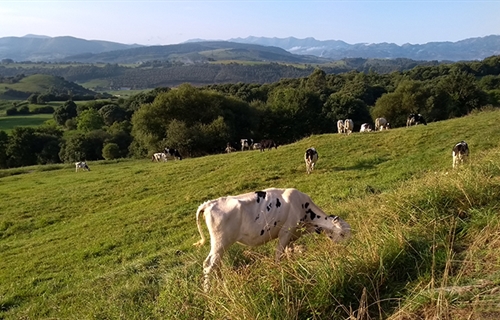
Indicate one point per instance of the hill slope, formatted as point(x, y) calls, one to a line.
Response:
point(117, 241)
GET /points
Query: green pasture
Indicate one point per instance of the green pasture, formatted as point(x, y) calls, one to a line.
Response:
point(33, 120)
point(117, 242)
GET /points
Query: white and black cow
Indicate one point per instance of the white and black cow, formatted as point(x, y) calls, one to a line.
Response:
point(159, 157)
point(415, 119)
point(246, 144)
point(348, 126)
point(258, 217)
point(310, 157)
point(81, 165)
point(340, 126)
point(366, 127)
point(173, 153)
point(268, 144)
point(460, 153)
point(381, 124)
point(229, 148)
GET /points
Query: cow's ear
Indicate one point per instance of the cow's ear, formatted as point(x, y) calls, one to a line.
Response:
point(334, 218)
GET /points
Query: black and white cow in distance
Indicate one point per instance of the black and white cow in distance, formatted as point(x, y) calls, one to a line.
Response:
point(268, 144)
point(173, 153)
point(81, 165)
point(258, 217)
point(460, 153)
point(159, 157)
point(246, 144)
point(365, 127)
point(340, 126)
point(415, 119)
point(348, 126)
point(310, 157)
point(381, 124)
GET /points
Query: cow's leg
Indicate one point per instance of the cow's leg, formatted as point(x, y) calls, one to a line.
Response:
point(286, 236)
point(212, 263)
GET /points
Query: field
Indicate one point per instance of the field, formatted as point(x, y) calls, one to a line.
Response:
point(116, 242)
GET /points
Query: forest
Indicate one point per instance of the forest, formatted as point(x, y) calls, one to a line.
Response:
point(201, 120)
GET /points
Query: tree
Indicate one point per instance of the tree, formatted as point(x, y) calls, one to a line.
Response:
point(4, 141)
point(112, 113)
point(89, 120)
point(21, 149)
point(341, 106)
point(111, 151)
point(65, 112)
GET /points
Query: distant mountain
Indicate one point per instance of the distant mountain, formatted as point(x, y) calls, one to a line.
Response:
point(198, 52)
point(468, 49)
point(42, 48)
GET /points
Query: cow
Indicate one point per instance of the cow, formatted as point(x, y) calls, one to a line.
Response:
point(365, 127)
point(159, 156)
point(246, 144)
point(381, 124)
point(81, 165)
point(173, 153)
point(340, 126)
point(258, 217)
point(229, 148)
point(348, 126)
point(256, 146)
point(310, 157)
point(460, 153)
point(268, 144)
point(415, 119)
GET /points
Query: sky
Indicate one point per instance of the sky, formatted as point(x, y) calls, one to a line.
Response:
point(163, 22)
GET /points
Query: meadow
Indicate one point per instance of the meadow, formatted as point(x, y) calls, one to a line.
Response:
point(117, 242)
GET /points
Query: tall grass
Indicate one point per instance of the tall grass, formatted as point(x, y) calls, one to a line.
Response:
point(116, 242)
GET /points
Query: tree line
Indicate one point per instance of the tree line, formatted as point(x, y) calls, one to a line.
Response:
point(201, 120)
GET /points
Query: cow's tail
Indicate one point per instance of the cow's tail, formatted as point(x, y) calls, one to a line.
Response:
point(201, 210)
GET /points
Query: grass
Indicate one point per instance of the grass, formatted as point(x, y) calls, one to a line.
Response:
point(8, 123)
point(116, 242)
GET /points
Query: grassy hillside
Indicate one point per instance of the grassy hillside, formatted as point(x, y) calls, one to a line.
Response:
point(116, 242)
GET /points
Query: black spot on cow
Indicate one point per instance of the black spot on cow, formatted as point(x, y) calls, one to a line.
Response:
point(278, 203)
point(304, 219)
point(269, 206)
point(307, 205)
point(257, 217)
point(260, 194)
point(275, 223)
point(313, 215)
point(318, 229)
point(262, 232)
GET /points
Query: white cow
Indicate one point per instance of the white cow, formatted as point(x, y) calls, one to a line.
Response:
point(348, 126)
point(460, 153)
point(381, 124)
point(246, 144)
point(340, 126)
point(81, 165)
point(258, 217)
point(256, 146)
point(365, 127)
point(310, 157)
point(159, 156)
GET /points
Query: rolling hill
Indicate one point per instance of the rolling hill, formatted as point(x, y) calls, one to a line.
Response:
point(116, 242)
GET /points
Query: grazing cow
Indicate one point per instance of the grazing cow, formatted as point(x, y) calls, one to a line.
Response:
point(415, 119)
point(246, 144)
point(229, 148)
point(460, 153)
point(256, 146)
point(81, 165)
point(365, 127)
point(348, 126)
point(173, 153)
point(381, 124)
point(268, 144)
point(340, 126)
point(310, 157)
point(258, 217)
point(159, 156)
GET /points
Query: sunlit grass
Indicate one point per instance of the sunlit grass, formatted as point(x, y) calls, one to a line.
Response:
point(116, 242)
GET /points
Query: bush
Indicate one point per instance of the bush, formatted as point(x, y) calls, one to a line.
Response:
point(111, 151)
point(11, 111)
point(44, 109)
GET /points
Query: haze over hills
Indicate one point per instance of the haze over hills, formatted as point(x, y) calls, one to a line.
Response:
point(42, 48)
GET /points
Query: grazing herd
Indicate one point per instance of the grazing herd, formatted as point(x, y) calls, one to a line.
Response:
point(256, 218)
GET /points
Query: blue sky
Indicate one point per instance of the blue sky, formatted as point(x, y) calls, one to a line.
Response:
point(168, 22)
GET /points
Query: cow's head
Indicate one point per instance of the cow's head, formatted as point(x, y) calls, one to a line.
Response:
point(339, 230)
